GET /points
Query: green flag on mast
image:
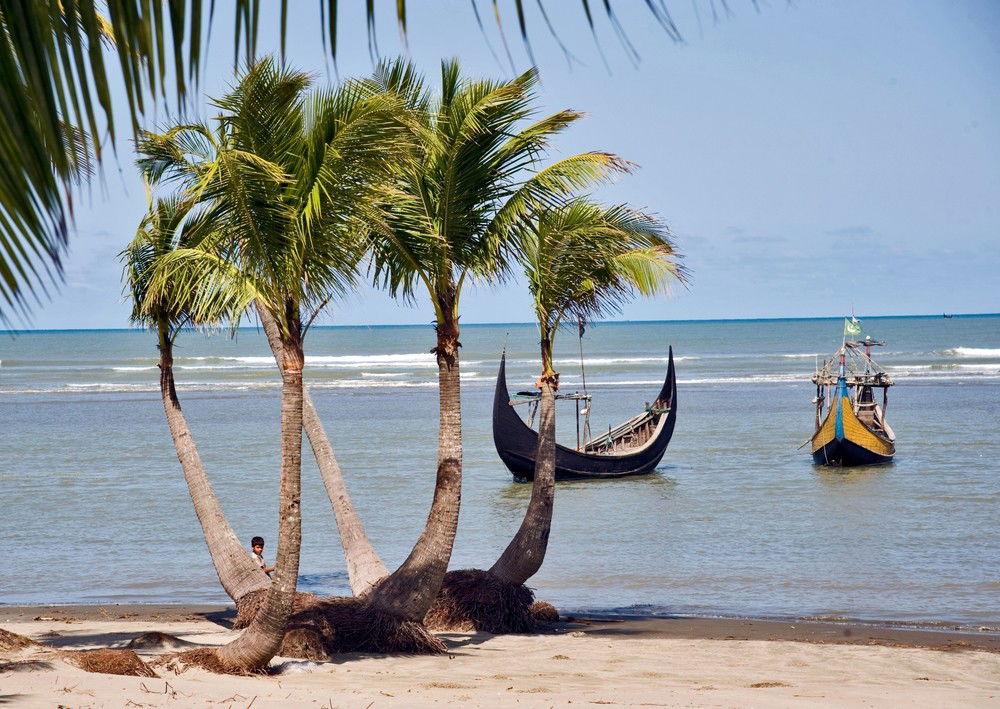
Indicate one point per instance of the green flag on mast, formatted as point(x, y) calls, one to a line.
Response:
point(852, 326)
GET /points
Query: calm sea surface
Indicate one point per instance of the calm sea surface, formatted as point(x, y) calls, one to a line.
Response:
point(737, 519)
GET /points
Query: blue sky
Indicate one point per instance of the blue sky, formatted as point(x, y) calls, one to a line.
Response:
point(810, 158)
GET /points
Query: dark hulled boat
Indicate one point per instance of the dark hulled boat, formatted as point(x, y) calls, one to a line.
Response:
point(853, 430)
point(633, 448)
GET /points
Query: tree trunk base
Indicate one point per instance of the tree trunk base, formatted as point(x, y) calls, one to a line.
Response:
point(321, 628)
point(338, 625)
point(475, 600)
point(248, 606)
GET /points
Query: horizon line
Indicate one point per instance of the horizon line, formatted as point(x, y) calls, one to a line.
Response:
point(39, 331)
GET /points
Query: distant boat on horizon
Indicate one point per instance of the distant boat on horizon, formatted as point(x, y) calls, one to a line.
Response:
point(947, 315)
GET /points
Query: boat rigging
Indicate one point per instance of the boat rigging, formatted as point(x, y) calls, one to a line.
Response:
point(852, 428)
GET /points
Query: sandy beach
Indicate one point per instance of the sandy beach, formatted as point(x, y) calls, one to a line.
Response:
point(593, 661)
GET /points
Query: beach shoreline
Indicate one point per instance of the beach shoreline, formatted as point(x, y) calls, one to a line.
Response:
point(593, 660)
point(936, 635)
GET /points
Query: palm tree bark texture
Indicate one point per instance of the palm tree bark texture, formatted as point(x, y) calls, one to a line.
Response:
point(262, 640)
point(239, 575)
point(364, 566)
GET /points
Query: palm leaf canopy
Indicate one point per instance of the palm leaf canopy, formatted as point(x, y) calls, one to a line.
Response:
point(294, 180)
point(173, 233)
point(55, 97)
point(477, 177)
point(584, 260)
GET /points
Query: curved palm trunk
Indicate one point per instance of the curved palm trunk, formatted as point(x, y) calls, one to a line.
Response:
point(410, 591)
point(524, 555)
point(261, 640)
point(364, 566)
point(238, 573)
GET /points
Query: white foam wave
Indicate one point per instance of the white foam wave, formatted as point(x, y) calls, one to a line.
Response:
point(104, 386)
point(369, 384)
point(973, 352)
point(800, 356)
point(421, 360)
point(605, 361)
point(133, 369)
point(923, 370)
point(750, 379)
point(950, 378)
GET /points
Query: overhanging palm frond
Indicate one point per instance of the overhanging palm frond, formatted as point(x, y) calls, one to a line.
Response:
point(53, 75)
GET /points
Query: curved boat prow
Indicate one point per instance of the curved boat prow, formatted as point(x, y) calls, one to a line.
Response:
point(668, 394)
point(634, 448)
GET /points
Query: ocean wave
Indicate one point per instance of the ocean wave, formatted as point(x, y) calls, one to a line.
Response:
point(473, 379)
point(404, 361)
point(921, 370)
point(801, 356)
point(985, 368)
point(973, 352)
point(420, 359)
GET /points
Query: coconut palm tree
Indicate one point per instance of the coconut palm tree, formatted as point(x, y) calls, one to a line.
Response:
point(293, 181)
point(582, 260)
point(171, 225)
point(477, 176)
point(55, 88)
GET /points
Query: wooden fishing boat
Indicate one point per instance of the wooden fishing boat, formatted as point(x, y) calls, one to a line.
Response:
point(632, 448)
point(852, 430)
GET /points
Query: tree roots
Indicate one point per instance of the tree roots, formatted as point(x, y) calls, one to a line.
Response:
point(476, 600)
point(338, 625)
point(544, 612)
point(320, 628)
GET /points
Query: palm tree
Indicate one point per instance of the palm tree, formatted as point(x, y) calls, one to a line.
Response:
point(454, 220)
point(365, 567)
point(292, 181)
point(54, 86)
point(171, 225)
point(582, 260)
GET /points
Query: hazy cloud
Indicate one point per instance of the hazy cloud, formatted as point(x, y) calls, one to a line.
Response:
point(851, 231)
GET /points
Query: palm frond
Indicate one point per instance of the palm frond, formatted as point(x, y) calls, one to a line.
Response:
point(53, 75)
point(295, 181)
point(584, 260)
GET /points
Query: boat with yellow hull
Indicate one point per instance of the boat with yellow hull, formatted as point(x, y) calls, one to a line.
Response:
point(853, 429)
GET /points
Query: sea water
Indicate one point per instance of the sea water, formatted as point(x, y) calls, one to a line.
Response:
point(736, 520)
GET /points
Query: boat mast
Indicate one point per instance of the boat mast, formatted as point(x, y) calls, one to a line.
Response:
point(581, 328)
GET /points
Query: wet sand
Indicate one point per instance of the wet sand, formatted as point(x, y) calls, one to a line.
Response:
point(592, 661)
